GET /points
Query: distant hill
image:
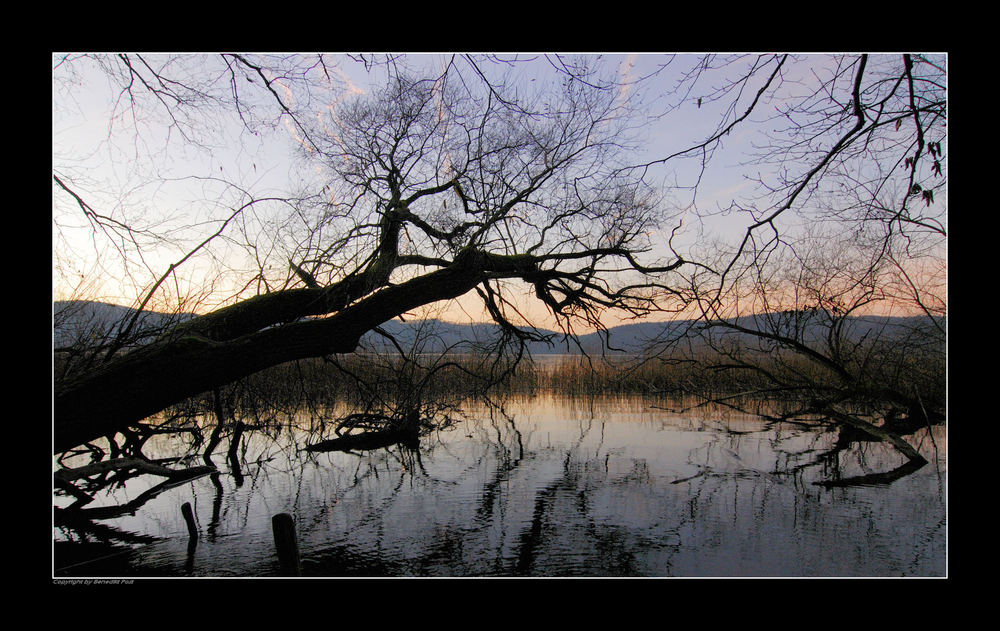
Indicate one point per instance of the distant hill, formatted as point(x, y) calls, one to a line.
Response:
point(82, 318)
point(76, 319)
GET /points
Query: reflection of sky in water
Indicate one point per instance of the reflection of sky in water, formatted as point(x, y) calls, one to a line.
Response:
point(568, 487)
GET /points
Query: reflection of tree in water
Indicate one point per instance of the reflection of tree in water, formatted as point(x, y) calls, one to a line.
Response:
point(266, 413)
point(506, 501)
point(563, 535)
point(787, 511)
point(561, 525)
point(743, 497)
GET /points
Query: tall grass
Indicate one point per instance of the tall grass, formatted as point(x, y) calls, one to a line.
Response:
point(393, 385)
point(357, 378)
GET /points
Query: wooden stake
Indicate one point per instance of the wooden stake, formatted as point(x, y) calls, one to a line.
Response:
point(285, 541)
point(189, 519)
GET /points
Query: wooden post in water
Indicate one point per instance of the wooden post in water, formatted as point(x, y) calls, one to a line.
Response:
point(288, 547)
point(192, 536)
point(189, 519)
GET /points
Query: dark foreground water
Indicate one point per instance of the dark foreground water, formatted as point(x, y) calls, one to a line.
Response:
point(548, 486)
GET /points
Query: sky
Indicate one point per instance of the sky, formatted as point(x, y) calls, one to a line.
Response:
point(112, 169)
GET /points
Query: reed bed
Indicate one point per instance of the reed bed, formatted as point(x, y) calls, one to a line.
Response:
point(369, 382)
point(356, 378)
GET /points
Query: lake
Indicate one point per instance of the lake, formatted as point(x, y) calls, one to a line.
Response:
point(542, 486)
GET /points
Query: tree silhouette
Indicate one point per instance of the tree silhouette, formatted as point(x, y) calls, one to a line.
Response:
point(486, 176)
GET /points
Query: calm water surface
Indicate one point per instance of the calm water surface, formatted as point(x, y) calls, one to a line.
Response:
point(546, 486)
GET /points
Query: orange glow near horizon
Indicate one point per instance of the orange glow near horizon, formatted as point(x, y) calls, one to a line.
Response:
point(192, 205)
point(468, 309)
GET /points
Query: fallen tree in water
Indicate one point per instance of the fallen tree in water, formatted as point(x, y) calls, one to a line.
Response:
point(876, 479)
point(125, 464)
point(367, 441)
point(124, 468)
point(383, 431)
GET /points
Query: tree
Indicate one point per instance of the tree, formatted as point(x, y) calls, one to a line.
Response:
point(800, 338)
point(849, 225)
point(430, 188)
point(486, 175)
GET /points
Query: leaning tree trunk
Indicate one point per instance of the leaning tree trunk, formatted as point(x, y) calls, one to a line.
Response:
point(147, 380)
